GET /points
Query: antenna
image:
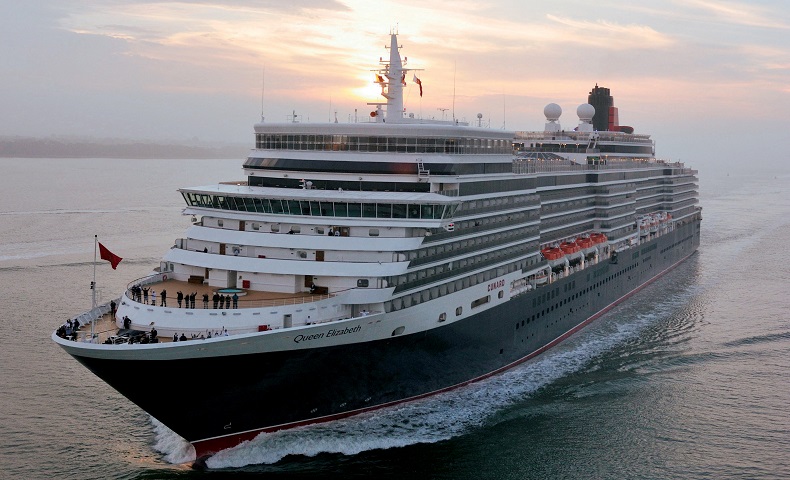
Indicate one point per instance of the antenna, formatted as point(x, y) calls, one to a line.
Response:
point(504, 111)
point(455, 69)
point(263, 88)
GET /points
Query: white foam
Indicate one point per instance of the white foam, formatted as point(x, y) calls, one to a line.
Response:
point(171, 444)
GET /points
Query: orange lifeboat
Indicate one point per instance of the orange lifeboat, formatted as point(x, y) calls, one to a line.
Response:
point(552, 253)
point(569, 247)
point(585, 242)
point(598, 238)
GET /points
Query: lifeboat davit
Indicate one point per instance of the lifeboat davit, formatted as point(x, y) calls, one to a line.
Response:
point(569, 247)
point(552, 253)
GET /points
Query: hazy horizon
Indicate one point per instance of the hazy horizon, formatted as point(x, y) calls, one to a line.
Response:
point(710, 81)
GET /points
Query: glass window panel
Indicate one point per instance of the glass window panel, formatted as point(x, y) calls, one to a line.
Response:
point(354, 210)
point(413, 211)
point(277, 205)
point(293, 207)
point(369, 210)
point(315, 209)
point(384, 210)
point(341, 209)
point(398, 210)
point(427, 211)
point(327, 209)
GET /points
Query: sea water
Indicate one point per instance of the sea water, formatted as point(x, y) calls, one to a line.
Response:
point(688, 379)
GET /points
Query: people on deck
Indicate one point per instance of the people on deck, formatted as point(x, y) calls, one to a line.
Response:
point(145, 295)
point(235, 300)
point(192, 299)
point(180, 298)
point(164, 299)
point(205, 300)
point(182, 338)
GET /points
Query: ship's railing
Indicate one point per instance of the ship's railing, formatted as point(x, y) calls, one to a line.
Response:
point(583, 136)
point(523, 166)
point(83, 334)
point(241, 302)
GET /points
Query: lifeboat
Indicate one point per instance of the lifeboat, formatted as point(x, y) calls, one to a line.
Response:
point(552, 253)
point(569, 247)
point(598, 238)
point(585, 242)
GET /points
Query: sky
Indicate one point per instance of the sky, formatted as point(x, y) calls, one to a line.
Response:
point(709, 80)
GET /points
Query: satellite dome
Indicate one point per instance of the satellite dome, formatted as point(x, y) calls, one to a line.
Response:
point(552, 112)
point(585, 111)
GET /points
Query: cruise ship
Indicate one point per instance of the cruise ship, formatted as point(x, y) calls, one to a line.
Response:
point(374, 262)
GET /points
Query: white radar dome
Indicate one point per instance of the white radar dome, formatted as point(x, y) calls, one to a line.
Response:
point(552, 112)
point(585, 111)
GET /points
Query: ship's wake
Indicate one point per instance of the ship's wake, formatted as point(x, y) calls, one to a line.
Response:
point(436, 418)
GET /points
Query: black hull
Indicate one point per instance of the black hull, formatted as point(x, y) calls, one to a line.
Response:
point(217, 402)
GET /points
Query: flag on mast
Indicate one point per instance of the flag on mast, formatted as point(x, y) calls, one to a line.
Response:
point(105, 254)
point(418, 82)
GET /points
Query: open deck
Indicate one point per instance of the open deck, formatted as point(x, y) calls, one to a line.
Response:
point(247, 298)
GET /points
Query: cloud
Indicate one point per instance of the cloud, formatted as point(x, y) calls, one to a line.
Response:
point(747, 14)
point(610, 35)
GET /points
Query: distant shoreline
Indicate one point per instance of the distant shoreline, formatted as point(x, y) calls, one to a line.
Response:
point(29, 147)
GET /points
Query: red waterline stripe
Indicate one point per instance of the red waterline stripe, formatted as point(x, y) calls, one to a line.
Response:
point(209, 446)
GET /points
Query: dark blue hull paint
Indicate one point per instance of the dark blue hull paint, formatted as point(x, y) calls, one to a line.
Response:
point(218, 402)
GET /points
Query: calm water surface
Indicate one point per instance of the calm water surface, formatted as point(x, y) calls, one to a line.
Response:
point(688, 380)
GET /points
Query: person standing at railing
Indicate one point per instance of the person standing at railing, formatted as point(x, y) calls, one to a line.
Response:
point(153, 297)
point(164, 299)
point(205, 300)
point(235, 300)
point(145, 295)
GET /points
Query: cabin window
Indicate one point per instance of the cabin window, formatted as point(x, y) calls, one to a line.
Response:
point(220, 223)
point(275, 228)
point(459, 311)
point(363, 282)
point(373, 232)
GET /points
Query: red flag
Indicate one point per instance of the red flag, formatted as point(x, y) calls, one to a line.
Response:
point(418, 82)
point(109, 256)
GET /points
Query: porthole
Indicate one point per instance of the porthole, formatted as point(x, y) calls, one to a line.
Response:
point(442, 316)
point(459, 311)
point(398, 331)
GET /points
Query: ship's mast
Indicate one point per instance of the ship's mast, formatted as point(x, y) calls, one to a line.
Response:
point(395, 75)
point(391, 77)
